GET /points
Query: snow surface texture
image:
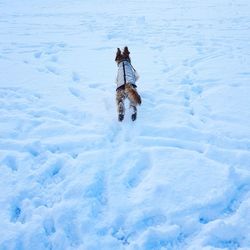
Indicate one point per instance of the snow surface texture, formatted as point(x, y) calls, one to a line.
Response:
point(73, 177)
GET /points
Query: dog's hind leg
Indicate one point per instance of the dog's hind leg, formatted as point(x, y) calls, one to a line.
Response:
point(134, 112)
point(121, 111)
point(132, 106)
point(120, 97)
point(134, 99)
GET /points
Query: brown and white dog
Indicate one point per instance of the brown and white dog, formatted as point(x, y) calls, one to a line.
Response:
point(126, 87)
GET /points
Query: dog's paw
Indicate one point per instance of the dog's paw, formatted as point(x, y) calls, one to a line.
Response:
point(133, 116)
point(120, 117)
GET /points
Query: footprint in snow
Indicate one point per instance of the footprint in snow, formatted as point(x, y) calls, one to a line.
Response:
point(138, 171)
point(197, 90)
point(11, 162)
point(52, 173)
point(77, 93)
point(38, 54)
point(96, 193)
point(54, 58)
point(15, 214)
point(52, 69)
point(49, 226)
point(187, 81)
point(76, 77)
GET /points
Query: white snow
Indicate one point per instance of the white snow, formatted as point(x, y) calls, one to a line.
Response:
point(73, 177)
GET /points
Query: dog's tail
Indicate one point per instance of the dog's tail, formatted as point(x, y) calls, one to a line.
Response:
point(132, 94)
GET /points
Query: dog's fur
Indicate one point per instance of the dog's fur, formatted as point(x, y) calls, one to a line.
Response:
point(130, 90)
point(132, 94)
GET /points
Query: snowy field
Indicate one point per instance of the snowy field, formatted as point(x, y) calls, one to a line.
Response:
point(73, 177)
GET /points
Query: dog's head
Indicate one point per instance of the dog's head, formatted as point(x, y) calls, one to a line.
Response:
point(122, 56)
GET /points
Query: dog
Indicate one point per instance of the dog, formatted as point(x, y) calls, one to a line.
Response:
point(126, 87)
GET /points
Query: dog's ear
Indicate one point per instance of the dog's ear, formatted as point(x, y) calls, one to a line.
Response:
point(118, 54)
point(126, 53)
